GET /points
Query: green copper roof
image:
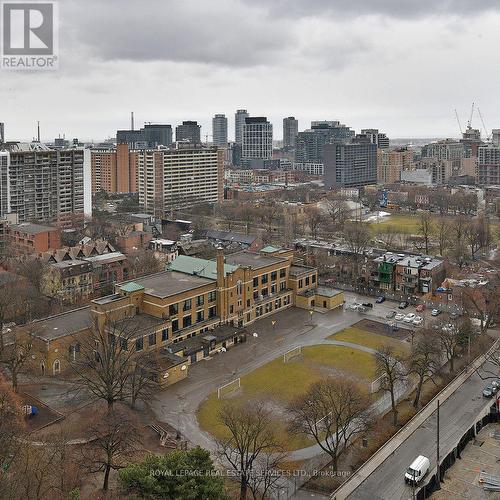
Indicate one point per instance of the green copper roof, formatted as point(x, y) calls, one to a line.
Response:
point(270, 249)
point(198, 267)
point(131, 287)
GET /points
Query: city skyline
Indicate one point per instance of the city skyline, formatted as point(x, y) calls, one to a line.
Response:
point(268, 71)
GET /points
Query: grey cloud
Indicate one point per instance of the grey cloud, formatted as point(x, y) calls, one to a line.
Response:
point(212, 32)
point(403, 9)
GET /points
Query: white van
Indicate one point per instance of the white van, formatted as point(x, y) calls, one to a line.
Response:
point(417, 470)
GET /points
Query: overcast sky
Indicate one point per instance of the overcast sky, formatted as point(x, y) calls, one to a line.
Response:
point(402, 66)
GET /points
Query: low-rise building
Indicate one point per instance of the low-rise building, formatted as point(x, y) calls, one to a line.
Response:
point(32, 238)
point(407, 274)
point(193, 309)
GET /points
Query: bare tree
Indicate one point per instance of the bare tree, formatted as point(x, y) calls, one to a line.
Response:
point(442, 233)
point(113, 445)
point(483, 302)
point(11, 426)
point(104, 364)
point(140, 385)
point(450, 342)
point(314, 220)
point(251, 435)
point(337, 210)
point(333, 412)
point(423, 363)
point(425, 228)
point(357, 237)
point(390, 367)
point(144, 262)
point(17, 354)
point(265, 477)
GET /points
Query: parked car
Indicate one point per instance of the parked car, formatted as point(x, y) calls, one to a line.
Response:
point(488, 391)
point(380, 299)
point(417, 470)
point(367, 304)
point(404, 304)
point(453, 315)
point(390, 314)
point(496, 384)
point(435, 312)
point(409, 318)
point(418, 320)
point(399, 317)
point(354, 306)
point(420, 308)
point(362, 309)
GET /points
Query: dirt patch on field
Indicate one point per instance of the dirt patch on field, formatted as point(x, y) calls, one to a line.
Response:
point(382, 329)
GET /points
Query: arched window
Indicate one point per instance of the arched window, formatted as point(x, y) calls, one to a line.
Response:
point(239, 287)
point(56, 367)
point(42, 368)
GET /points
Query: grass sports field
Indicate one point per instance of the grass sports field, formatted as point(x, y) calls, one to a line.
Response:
point(277, 383)
point(368, 339)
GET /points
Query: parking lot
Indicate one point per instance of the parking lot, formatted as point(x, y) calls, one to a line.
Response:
point(390, 307)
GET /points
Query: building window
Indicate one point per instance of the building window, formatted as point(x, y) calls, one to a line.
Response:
point(173, 309)
point(273, 288)
point(255, 294)
point(56, 367)
point(200, 316)
point(187, 305)
point(249, 317)
point(274, 275)
point(139, 344)
point(256, 281)
point(301, 283)
point(283, 273)
point(239, 288)
point(258, 311)
point(264, 292)
point(269, 307)
point(264, 279)
point(283, 286)
point(186, 321)
point(175, 325)
point(212, 312)
point(123, 344)
point(212, 296)
point(231, 309)
point(313, 278)
point(200, 300)
point(307, 280)
point(164, 335)
point(152, 338)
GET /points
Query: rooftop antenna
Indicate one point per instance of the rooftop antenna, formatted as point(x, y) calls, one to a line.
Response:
point(131, 120)
point(38, 130)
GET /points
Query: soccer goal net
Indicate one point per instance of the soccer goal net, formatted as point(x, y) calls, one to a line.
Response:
point(226, 389)
point(292, 354)
point(377, 384)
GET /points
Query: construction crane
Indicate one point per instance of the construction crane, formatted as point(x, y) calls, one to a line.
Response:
point(458, 121)
point(469, 124)
point(484, 126)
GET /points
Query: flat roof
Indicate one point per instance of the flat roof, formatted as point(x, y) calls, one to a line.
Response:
point(296, 270)
point(60, 325)
point(253, 260)
point(106, 257)
point(29, 228)
point(327, 292)
point(168, 283)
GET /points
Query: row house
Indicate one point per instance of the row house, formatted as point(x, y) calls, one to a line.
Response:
point(407, 274)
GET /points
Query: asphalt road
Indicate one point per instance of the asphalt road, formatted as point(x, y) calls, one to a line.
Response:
point(457, 414)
